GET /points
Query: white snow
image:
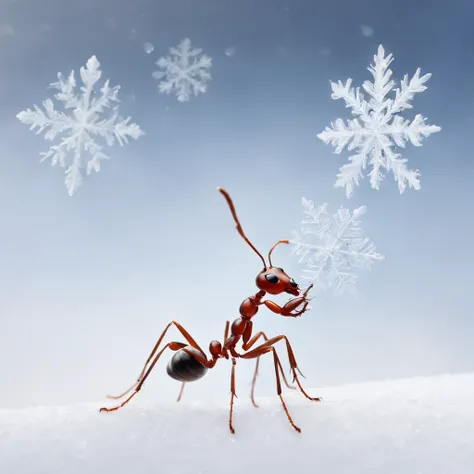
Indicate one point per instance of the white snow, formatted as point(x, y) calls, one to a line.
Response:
point(413, 426)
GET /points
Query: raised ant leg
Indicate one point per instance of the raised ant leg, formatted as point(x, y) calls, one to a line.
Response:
point(291, 357)
point(232, 395)
point(287, 309)
point(264, 350)
point(185, 334)
point(290, 306)
point(174, 346)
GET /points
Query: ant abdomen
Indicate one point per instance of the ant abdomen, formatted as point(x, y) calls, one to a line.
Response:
point(184, 367)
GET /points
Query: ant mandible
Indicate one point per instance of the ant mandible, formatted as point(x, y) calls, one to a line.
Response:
point(189, 362)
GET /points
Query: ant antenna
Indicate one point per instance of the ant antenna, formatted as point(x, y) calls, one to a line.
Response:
point(237, 223)
point(274, 245)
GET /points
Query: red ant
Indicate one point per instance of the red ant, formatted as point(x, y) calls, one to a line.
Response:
point(189, 362)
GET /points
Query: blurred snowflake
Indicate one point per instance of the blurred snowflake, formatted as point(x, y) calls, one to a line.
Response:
point(230, 51)
point(185, 72)
point(378, 127)
point(148, 47)
point(7, 30)
point(82, 125)
point(333, 248)
point(367, 30)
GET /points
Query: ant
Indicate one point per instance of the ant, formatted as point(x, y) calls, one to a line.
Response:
point(189, 362)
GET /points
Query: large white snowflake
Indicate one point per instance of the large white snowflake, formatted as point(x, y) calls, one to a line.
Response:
point(333, 248)
point(82, 125)
point(185, 72)
point(378, 128)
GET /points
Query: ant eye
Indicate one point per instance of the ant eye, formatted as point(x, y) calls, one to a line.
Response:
point(281, 269)
point(293, 283)
point(270, 277)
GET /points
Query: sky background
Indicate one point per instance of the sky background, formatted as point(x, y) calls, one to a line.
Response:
point(88, 283)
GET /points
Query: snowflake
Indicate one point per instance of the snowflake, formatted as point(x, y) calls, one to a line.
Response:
point(378, 127)
point(82, 124)
point(185, 72)
point(333, 248)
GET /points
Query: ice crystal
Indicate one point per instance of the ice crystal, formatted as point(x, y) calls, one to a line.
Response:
point(333, 248)
point(185, 72)
point(85, 122)
point(378, 127)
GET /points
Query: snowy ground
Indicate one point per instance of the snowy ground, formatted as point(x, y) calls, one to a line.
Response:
point(415, 426)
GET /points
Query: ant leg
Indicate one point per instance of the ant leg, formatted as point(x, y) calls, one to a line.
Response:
point(226, 330)
point(291, 357)
point(254, 379)
point(247, 346)
point(181, 391)
point(185, 334)
point(232, 395)
point(174, 346)
point(252, 342)
point(264, 350)
point(225, 352)
point(290, 306)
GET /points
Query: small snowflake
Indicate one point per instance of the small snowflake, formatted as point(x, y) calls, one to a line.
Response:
point(186, 72)
point(333, 248)
point(82, 125)
point(378, 127)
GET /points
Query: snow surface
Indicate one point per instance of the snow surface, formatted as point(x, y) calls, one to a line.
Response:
point(413, 426)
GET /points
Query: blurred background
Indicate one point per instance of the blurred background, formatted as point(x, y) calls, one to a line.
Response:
point(87, 283)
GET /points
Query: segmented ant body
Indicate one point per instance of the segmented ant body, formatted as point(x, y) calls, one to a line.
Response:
point(190, 363)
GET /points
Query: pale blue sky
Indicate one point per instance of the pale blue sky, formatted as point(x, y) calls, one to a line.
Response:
point(88, 283)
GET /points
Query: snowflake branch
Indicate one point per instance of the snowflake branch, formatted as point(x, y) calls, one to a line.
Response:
point(407, 91)
point(382, 84)
point(352, 98)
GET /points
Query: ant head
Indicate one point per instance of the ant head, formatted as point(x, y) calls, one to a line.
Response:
point(274, 280)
